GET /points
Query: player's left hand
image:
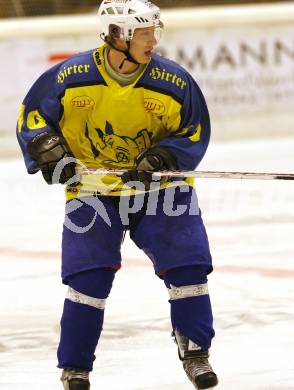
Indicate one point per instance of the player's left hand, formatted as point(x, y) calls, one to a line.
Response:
point(154, 159)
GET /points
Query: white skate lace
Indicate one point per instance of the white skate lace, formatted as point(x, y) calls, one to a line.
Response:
point(197, 366)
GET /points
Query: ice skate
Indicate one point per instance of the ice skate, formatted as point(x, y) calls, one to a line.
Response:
point(200, 372)
point(75, 379)
point(195, 363)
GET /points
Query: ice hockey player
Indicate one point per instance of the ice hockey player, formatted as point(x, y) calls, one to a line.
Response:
point(123, 106)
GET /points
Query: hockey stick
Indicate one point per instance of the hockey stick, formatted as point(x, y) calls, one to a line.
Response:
point(197, 174)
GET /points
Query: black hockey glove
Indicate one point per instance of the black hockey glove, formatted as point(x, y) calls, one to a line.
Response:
point(154, 159)
point(48, 149)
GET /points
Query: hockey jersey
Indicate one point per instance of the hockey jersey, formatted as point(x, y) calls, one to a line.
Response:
point(107, 125)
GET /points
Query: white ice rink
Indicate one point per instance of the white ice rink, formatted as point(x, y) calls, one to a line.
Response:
point(250, 225)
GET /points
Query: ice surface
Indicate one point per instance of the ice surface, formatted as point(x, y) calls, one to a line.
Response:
point(250, 225)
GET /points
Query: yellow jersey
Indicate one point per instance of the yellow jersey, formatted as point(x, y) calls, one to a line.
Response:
point(107, 125)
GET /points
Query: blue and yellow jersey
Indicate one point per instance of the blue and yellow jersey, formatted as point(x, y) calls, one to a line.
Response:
point(107, 125)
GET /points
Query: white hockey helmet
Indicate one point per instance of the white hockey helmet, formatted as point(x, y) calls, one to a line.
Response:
point(128, 15)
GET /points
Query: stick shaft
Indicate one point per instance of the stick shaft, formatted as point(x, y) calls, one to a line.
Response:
point(199, 174)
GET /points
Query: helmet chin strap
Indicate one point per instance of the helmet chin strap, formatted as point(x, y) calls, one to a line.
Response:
point(128, 56)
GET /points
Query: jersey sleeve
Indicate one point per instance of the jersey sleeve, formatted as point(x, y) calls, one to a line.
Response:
point(190, 136)
point(40, 112)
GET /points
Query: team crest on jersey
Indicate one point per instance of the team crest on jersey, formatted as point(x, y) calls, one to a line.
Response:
point(118, 149)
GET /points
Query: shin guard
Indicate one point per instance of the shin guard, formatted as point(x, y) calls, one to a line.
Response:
point(82, 318)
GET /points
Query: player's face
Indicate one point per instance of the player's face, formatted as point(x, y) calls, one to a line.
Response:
point(143, 42)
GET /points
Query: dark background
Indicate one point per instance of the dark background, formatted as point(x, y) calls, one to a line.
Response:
point(21, 8)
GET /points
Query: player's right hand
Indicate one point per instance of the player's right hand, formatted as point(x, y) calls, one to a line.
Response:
point(51, 153)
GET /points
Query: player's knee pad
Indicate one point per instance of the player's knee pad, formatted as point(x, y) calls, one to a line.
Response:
point(187, 275)
point(91, 287)
point(184, 285)
point(191, 313)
